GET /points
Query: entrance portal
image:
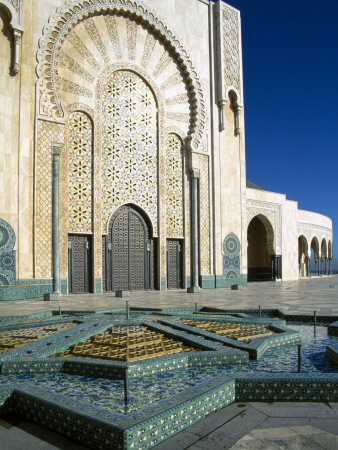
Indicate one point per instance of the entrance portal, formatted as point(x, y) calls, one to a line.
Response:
point(259, 259)
point(128, 252)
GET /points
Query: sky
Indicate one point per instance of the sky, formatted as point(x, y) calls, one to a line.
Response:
point(290, 71)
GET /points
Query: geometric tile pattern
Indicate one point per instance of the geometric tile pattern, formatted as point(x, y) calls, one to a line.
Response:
point(12, 339)
point(7, 255)
point(80, 405)
point(174, 187)
point(79, 173)
point(237, 331)
point(47, 133)
point(126, 343)
point(129, 145)
point(231, 256)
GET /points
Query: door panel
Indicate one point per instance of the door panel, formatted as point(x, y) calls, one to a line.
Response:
point(131, 252)
point(79, 264)
point(174, 264)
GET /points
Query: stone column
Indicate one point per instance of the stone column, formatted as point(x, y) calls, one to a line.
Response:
point(273, 270)
point(278, 268)
point(56, 150)
point(325, 266)
point(16, 54)
point(238, 121)
point(308, 266)
point(330, 266)
point(194, 175)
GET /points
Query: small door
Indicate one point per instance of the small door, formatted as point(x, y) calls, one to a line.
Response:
point(79, 264)
point(174, 264)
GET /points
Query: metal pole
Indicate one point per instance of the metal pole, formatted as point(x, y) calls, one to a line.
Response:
point(259, 310)
point(315, 321)
point(196, 307)
point(59, 310)
point(299, 358)
point(126, 387)
point(127, 310)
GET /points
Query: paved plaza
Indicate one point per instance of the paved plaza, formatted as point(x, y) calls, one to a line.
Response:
point(303, 296)
point(239, 426)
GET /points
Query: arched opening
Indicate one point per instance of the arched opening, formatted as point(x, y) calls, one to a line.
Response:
point(260, 249)
point(128, 251)
point(303, 259)
point(323, 257)
point(314, 256)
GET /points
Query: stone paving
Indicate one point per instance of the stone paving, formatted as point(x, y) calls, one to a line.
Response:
point(238, 426)
point(303, 296)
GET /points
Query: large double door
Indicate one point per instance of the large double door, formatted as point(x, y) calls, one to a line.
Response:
point(128, 252)
point(79, 264)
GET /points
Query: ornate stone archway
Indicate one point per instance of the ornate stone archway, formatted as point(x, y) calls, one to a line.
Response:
point(61, 23)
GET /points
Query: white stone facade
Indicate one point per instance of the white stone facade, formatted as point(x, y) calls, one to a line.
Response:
point(145, 97)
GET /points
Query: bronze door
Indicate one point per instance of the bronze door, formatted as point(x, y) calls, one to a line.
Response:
point(128, 253)
point(79, 264)
point(174, 264)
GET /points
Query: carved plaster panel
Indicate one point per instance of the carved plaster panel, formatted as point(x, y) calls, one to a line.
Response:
point(272, 211)
point(231, 49)
point(83, 37)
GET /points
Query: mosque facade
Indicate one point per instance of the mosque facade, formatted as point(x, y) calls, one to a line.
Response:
point(123, 154)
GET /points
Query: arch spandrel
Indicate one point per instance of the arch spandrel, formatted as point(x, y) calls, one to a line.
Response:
point(61, 24)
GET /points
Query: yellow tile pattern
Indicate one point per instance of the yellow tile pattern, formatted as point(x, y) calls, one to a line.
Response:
point(126, 344)
point(236, 331)
point(12, 339)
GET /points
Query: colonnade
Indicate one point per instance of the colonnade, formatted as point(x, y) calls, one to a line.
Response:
point(323, 266)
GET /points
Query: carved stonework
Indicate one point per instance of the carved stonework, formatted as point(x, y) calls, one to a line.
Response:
point(100, 15)
point(47, 133)
point(231, 49)
point(272, 212)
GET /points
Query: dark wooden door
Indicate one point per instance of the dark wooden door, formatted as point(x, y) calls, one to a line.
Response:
point(174, 264)
point(79, 264)
point(129, 253)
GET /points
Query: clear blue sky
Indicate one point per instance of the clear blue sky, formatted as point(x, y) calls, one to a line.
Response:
point(290, 63)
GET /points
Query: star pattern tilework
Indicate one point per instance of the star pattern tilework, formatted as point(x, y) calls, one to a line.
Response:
point(174, 187)
point(79, 173)
point(129, 145)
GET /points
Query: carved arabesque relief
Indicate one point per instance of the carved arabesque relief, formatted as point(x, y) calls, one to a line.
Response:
point(61, 26)
point(231, 49)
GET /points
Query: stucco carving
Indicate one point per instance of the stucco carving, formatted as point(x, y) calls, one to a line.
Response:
point(73, 12)
point(272, 212)
point(231, 50)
